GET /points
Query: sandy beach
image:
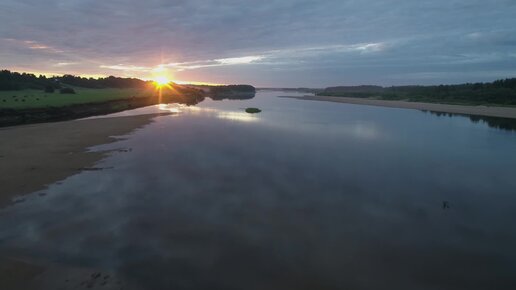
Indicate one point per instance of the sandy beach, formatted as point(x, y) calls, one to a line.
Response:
point(34, 156)
point(502, 112)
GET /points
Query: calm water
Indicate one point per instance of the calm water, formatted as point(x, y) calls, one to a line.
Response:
point(305, 195)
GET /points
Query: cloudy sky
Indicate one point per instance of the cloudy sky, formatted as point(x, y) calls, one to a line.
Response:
point(292, 43)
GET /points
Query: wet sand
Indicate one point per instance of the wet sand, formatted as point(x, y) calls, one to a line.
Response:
point(502, 112)
point(34, 156)
point(24, 274)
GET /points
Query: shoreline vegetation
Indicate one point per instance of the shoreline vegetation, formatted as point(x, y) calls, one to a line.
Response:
point(494, 99)
point(497, 93)
point(487, 111)
point(26, 98)
point(493, 103)
point(496, 117)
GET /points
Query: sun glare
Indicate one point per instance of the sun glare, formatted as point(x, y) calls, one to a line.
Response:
point(161, 81)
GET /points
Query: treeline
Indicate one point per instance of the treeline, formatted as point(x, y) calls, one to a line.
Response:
point(296, 90)
point(10, 81)
point(501, 92)
point(19, 81)
point(232, 88)
point(101, 83)
point(232, 92)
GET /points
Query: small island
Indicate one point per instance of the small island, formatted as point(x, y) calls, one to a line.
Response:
point(252, 110)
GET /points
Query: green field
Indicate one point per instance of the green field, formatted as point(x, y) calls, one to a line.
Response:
point(29, 99)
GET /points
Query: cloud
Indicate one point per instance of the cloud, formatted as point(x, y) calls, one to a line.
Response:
point(33, 45)
point(127, 68)
point(61, 64)
point(239, 60)
point(185, 65)
point(215, 62)
point(274, 43)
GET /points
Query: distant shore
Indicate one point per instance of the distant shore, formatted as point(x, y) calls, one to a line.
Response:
point(501, 112)
point(34, 156)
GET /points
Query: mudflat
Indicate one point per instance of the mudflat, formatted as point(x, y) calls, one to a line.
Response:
point(34, 156)
point(502, 112)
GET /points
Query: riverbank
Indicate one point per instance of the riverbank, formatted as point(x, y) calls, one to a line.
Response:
point(12, 117)
point(34, 156)
point(33, 108)
point(501, 112)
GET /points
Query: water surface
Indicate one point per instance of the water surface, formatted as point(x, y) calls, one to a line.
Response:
point(305, 195)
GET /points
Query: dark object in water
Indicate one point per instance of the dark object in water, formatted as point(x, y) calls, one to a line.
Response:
point(446, 204)
point(125, 150)
point(252, 110)
point(20, 200)
point(93, 168)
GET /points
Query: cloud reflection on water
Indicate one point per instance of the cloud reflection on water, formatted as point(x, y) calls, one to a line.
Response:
point(311, 189)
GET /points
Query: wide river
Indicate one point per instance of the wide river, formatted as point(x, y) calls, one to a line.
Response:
point(304, 195)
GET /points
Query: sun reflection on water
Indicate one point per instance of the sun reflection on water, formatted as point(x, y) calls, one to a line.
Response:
point(168, 108)
point(237, 116)
point(226, 115)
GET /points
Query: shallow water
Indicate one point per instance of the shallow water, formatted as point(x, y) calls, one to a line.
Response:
point(305, 195)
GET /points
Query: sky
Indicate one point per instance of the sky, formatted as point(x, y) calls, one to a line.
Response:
point(273, 43)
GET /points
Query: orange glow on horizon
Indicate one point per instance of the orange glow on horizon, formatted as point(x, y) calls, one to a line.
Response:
point(161, 81)
point(160, 76)
point(50, 74)
point(197, 83)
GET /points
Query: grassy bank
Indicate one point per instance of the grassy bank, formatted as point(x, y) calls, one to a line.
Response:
point(36, 99)
point(26, 98)
point(35, 106)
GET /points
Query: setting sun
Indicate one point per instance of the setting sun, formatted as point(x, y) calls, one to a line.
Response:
point(161, 80)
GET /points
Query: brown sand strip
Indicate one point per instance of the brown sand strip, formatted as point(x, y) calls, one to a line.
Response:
point(14, 273)
point(34, 156)
point(27, 274)
point(502, 112)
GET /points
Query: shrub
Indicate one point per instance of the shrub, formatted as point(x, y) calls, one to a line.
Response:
point(49, 89)
point(67, 91)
